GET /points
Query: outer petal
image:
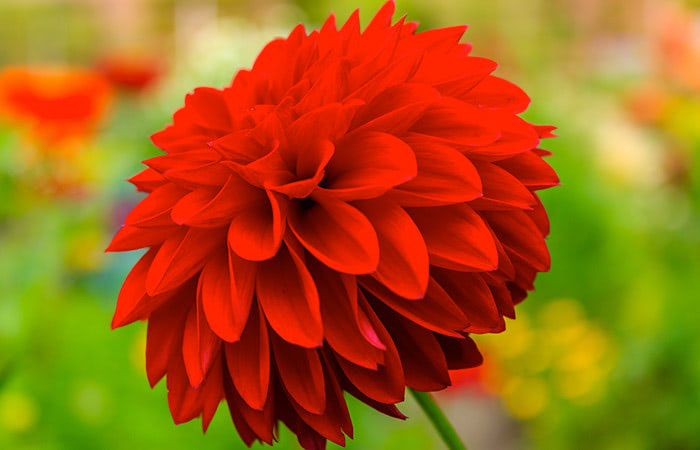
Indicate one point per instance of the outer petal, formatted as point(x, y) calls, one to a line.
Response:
point(302, 374)
point(249, 362)
point(180, 257)
point(445, 175)
point(341, 318)
point(457, 237)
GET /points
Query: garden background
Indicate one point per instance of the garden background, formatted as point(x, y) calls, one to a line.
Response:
point(604, 355)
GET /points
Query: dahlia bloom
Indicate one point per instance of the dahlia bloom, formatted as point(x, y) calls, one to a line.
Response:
point(57, 106)
point(339, 219)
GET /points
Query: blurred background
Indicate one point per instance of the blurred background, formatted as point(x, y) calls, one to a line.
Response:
point(604, 355)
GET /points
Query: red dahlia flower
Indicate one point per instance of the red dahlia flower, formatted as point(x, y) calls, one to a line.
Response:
point(337, 220)
point(58, 106)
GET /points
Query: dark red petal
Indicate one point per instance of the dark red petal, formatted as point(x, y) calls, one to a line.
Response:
point(365, 165)
point(518, 233)
point(256, 234)
point(302, 374)
point(460, 353)
point(258, 423)
point(424, 364)
point(164, 338)
point(338, 297)
point(471, 293)
point(289, 299)
point(242, 274)
point(386, 384)
point(182, 256)
point(337, 234)
point(436, 311)
point(200, 346)
point(335, 417)
point(249, 362)
point(212, 392)
point(403, 256)
point(457, 237)
point(444, 176)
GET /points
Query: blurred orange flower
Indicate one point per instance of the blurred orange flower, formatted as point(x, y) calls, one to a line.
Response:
point(57, 106)
point(130, 72)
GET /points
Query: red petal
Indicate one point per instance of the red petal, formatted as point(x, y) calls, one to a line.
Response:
point(445, 176)
point(337, 234)
point(456, 122)
point(207, 207)
point(471, 293)
point(436, 311)
point(501, 190)
point(152, 209)
point(180, 257)
point(289, 299)
point(366, 165)
point(338, 297)
point(386, 384)
point(335, 417)
point(249, 362)
point(164, 338)
point(302, 374)
point(530, 170)
point(494, 92)
point(396, 109)
point(147, 180)
point(208, 108)
point(457, 237)
point(518, 233)
point(253, 421)
point(460, 353)
point(403, 256)
point(424, 364)
point(133, 303)
point(256, 234)
point(214, 293)
point(131, 238)
point(200, 346)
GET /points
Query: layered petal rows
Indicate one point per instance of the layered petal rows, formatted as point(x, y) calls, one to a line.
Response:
point(338, 220)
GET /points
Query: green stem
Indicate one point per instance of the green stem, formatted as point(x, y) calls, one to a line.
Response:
point(440, 422)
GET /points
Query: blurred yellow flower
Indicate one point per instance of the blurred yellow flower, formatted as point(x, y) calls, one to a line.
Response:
point(18, 412)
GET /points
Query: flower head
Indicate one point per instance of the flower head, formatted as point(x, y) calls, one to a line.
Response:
point(58, 106)
point(337, 220)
